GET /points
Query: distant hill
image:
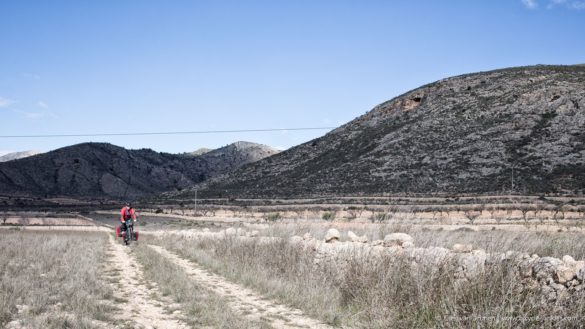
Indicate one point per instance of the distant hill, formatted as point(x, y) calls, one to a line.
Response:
point(100, 170)
point(237, 154)
point(519, 130)
point(199, 151)
point(18, 155)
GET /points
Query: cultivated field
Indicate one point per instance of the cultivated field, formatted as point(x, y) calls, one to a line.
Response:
point(194, 272)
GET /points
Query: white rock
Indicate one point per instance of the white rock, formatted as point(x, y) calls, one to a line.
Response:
point(393, 250)
point(397, 239)
point(352, 236)
point(544, 268)
point(579, 265)
point(363, 239)
point(332, 235)
point(460, 248)
point(378, 250)
point(307, 236)
point(438, 254)
point(568, 260)
point(407, 244)
point(563, 273)
point(473, 263)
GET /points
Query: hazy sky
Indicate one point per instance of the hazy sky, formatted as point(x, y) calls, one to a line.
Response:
point(70, 67)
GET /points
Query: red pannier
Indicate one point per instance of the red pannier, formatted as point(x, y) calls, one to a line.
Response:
point(118, 230)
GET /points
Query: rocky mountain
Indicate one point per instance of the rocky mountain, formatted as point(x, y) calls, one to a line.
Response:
point(237, 154)
point(17, 155)
point(517, 130)
point(199, 151)
point(103, 170)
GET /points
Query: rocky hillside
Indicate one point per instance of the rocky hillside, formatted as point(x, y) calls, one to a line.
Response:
point(237, 154)
point(106, 171)
point(519, 130)
point(199, 151)
point(17, 155)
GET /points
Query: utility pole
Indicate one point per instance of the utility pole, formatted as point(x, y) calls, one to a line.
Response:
point(514, 166)
point(195, 208)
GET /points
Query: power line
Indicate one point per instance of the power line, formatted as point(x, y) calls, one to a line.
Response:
point(168, 132)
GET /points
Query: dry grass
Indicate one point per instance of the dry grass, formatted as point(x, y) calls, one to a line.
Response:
point(202, 308)
point(552, 244)
point(374, 293)
point(50, 280)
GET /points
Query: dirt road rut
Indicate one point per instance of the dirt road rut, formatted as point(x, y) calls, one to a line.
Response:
point(243, 300)
point(146, 312)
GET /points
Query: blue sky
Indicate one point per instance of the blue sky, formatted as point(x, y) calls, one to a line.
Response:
point(71, 67)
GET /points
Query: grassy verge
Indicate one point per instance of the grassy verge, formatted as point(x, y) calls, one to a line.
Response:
point(200, 307)
point(369, 292)
point(51, 280)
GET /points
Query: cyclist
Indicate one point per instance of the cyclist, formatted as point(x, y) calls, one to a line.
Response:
point(127, 213)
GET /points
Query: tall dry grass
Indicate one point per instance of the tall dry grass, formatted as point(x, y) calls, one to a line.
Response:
point(369, 292)
point(51, 280)
point(202, 309)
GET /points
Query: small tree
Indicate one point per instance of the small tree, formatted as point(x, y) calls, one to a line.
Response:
point(472, 215)
point(558, 214)
point(525, 210)
point(539, 212)
point(4, 218)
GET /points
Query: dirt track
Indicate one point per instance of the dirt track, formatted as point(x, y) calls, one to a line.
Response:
point(243, 300)
point(131, 287)
point(132, 290)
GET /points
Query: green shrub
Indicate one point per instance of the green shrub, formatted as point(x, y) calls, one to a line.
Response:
point(378, 217)
point(272, 217)
point(330, 215)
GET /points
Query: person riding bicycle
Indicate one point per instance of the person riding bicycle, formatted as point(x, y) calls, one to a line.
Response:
point(127, 213)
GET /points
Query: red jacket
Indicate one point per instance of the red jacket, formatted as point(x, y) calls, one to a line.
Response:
point(126, 214)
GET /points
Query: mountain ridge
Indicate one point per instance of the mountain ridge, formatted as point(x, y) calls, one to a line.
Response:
point(517, 130)
point(102, 170)
point(18, 155)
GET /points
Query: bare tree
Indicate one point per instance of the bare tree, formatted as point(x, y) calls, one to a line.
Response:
point(558, 214)
point(493, 210)
point(539, 212)
point(525, 210)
